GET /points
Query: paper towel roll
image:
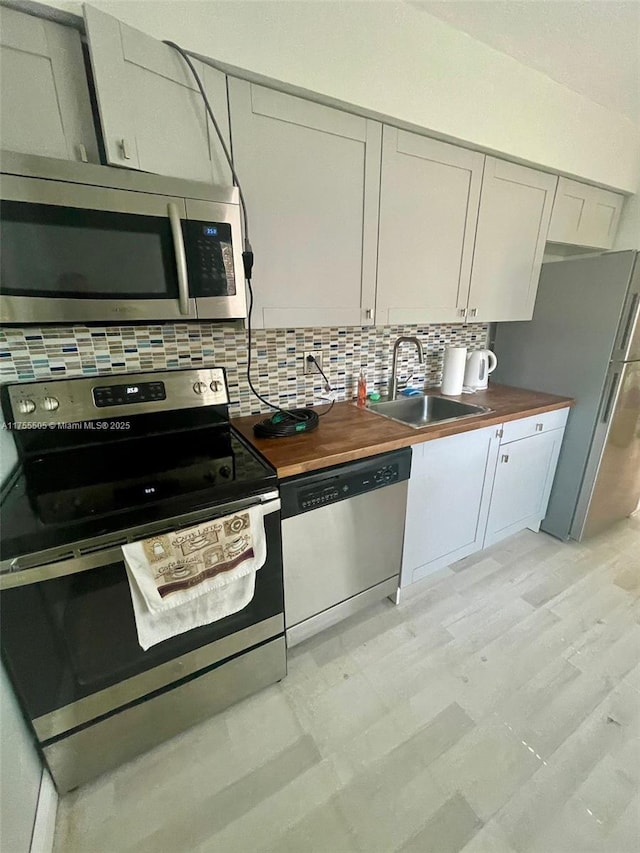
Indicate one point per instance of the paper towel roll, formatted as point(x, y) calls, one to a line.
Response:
point(455, 360)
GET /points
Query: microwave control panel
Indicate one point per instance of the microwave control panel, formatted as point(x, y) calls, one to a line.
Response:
point(209, 252)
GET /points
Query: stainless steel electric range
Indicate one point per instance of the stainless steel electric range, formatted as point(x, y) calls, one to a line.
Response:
point(106, 461)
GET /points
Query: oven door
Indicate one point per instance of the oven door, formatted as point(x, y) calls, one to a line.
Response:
point(69, 638)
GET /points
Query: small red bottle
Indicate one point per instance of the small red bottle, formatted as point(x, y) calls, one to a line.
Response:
point(362, 389)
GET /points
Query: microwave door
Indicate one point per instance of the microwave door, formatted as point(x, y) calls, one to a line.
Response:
point(79, 253)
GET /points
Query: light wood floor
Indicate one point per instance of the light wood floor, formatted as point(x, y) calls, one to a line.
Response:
point(496, 711)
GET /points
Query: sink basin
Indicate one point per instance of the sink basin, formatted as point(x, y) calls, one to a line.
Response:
point(424, 410)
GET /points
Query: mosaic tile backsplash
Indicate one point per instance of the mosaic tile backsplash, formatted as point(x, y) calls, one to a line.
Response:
point(56, 352)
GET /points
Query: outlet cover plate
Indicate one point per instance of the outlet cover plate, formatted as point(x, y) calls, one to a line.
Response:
point(309, 367)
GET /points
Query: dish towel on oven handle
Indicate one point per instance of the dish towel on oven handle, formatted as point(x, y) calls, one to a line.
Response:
point(192, 577)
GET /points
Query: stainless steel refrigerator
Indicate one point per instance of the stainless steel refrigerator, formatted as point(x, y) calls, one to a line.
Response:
point(584, 341)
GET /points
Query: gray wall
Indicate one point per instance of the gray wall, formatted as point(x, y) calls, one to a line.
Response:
point(20, 774)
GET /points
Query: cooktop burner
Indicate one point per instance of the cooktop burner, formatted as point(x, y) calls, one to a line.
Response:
point(89, 477)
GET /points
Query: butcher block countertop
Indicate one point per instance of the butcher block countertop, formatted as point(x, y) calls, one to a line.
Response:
point(349, 433)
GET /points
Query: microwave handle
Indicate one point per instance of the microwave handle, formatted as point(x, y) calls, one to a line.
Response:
point(181, 257)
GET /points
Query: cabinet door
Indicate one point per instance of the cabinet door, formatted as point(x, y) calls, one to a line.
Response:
point(448, 501)
point(429, 199)
point(585, 215)
point(523, 480)
point(310, 176)
point(152, 113)
point(43, 90)
point(515, 209)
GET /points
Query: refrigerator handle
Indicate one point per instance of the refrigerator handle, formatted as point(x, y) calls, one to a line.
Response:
point(630, 318)
point(606, 412)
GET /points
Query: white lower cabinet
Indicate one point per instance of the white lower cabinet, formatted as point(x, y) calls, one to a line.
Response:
point(468, 491)
point(448, 501)
point(522, 484)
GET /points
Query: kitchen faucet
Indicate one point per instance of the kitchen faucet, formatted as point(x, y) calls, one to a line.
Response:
point(393, 381)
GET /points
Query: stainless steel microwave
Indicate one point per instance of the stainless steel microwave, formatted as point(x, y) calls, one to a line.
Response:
point(83, 243)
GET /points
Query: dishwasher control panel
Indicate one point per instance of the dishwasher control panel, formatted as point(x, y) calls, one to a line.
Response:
point(348, 486)
point(320, 488)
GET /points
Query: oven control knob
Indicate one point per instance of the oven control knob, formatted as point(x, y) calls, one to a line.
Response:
point(216, 385)
point(25, 407)
point(50, 404)
point(200, 387)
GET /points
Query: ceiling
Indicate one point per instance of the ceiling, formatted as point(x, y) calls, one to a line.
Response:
point(590, 46)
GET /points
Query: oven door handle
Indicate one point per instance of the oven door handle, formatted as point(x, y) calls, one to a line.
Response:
point(71, 566)
point(12, 575)
point(181, 257)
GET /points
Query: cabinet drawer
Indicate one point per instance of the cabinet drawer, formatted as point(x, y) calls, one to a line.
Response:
point(524, 427)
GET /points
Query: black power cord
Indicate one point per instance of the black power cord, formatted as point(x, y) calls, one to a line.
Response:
point(285, 421)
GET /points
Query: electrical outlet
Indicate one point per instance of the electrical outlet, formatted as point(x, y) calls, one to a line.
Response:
point(309, 367)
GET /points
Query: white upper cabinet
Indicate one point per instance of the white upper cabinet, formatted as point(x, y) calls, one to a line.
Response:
point(429, 200)
point(584, 215)
point(152, 113)
point(310, 175)
point(44, 95)
point(515, 210)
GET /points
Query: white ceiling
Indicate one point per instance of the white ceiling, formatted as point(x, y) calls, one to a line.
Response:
point(591, 46)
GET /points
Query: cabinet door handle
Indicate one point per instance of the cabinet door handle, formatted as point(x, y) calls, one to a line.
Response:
point(462, 312)
point(474, 312)
point(124, 150)
point(539, 427)
point(82, 153)
point(504, 457)
point(369, 313)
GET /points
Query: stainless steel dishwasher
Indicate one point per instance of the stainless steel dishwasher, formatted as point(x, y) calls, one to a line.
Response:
point(342, 535)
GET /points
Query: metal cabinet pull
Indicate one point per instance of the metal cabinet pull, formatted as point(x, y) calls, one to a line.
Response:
point(124, 149)
point(504, 457)
point(539, 427)
point(181, 258)
point(462, 312)
point(369, 314)
point(82, 153)
point(474, 312)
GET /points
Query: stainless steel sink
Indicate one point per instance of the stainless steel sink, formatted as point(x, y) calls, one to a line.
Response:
point(424, 410)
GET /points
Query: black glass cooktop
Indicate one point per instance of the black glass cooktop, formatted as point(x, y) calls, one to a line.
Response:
point(100, 486)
